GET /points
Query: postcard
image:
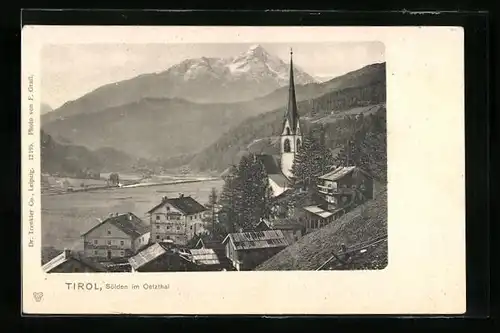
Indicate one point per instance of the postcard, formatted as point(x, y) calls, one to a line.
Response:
point(189, 170)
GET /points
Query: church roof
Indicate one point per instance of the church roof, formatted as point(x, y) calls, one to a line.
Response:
point(271, 164)
point(292, 114)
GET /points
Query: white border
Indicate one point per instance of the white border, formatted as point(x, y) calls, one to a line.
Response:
point(426, 271)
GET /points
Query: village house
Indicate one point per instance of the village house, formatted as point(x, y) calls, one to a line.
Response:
point(158, 257)
point(208, 260)
point(209, 244)
point(116, 238)
point(317, 217)
point(246, 250)
point(177, 219)
point(346, 186)
point(72, 262)
point(292, 230)
point(166, 257)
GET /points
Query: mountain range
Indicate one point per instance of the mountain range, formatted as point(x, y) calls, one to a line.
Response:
point(252, 74)
point(151, 116)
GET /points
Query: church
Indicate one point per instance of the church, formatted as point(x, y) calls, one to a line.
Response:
point(279, 167)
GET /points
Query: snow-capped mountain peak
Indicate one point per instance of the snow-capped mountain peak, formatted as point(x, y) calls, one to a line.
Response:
point(254, 72)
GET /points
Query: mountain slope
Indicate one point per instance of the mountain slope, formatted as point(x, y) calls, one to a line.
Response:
point(150, 128)
point(252, 74)
point(45, 108)
point(228, 148)
point(71, 160)
point(163, 128)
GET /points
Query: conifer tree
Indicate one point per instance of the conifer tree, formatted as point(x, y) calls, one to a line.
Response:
point(312, 160)
point(228, 199)
point(254, 192)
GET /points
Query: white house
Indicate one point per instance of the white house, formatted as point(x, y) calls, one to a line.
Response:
point(118, 236)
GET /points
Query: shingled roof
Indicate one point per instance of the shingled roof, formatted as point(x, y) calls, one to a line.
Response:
point(257, 239)
point(185, 204)
point(129, 223)
point(341, 172)
point(148, 254)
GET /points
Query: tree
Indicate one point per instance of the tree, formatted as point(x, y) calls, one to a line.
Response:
point(212, 201)
point(228, 198)
point(367, 146)
point(114, 179)
point(253, 203)
point(313, 159)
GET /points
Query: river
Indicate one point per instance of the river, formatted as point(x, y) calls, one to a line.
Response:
point(65, 217)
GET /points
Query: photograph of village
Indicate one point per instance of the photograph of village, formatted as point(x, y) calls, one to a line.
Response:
point(213, 157)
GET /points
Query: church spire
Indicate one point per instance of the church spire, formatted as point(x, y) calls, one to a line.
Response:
point(291, 113)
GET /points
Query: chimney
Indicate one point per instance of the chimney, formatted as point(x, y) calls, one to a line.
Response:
point(181, 195)
point(67, 253)
point(110, 214)
point(130, 216)
point(164, 198)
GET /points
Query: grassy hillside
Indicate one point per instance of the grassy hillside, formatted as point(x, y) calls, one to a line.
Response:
point(362, 224)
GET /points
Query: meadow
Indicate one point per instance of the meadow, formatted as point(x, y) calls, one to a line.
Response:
point(67, 216)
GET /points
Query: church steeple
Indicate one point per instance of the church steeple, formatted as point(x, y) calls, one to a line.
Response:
point(292, 114)
point(291, 137)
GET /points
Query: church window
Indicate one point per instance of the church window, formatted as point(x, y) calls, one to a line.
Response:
point(287, 131)
point(287, 146)
point(298, 143)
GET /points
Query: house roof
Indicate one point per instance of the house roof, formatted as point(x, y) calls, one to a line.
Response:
point(148, 254)
point(67, 255)
point(209, 244)
point(316, 210)
point(257, 239)
point(129, 223)
point(280, 180)
point(185, 204)
point(341, 172)
point(206, 257)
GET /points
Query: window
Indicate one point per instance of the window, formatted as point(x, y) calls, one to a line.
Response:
point(122, 253)
point(122, 242)
point(178, 228)
point(95, 241)
point(157, 217)
point(298, 143)
point(287, 131)
point(157, 236)
point(96, 253)
point(168, 208)
point(286, 146)
point(168, 227)
point(157, 226)
point(191, 227)
point(109, 232)
point(109, 242)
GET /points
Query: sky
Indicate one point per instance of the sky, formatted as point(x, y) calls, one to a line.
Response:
point(70, 71)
